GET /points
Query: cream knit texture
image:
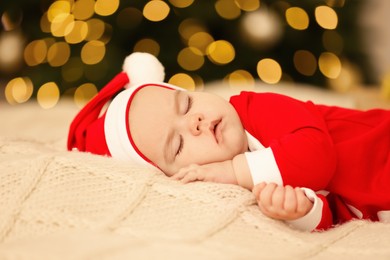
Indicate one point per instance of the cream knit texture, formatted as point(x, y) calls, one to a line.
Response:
point(56, 204)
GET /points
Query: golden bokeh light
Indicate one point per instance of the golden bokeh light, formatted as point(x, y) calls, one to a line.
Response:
point(77, 33)
point(147, 45)
point(305, 62)
point(181, 3)
point(93, 52)
point(200, 40)
point(156, 10)
point(84, 94)
point(35, 52)
point(183, 80)
point(18, 90)
point(227, 9)
point(348, 79)
point(48, 95)
point(335, 3)
point(58, 8)
point(269, 71)
point(11, 51)
point(240, 79)
point(95, 29)
point(248, 5)
point(189, 27)
point(329, 65)
point(45, 23)
point(297, 18)
point(72, 70)
point(107, 33)
point(221, 52)
point(385, 86)
point(326, 17)
point(58, 54)
point(190, 59)
point(106, 7)
point(129, 18)
point(261, 29)
point(62, 25)
point(83, 9)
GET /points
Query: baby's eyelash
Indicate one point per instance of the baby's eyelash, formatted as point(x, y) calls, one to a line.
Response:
point(189, 104)
point(180, 146)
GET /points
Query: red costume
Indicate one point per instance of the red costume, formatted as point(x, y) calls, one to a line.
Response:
point(343, 155)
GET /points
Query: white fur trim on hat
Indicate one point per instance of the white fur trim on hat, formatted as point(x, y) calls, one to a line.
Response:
point(142, 67)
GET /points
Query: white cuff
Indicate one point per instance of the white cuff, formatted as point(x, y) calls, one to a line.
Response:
point(263, 167)
point(311, 220)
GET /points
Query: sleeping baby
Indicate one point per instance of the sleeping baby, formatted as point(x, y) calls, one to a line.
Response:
point(312, 166)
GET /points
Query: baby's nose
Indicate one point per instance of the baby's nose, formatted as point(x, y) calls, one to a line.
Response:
point(195, 124)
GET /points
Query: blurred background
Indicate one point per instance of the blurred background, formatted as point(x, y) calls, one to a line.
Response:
point(71, 48)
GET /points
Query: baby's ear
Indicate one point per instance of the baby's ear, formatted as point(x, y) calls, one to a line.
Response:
point(142, 67)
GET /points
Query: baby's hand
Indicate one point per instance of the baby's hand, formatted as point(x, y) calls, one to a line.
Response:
point(283, 203)
point(221, 172)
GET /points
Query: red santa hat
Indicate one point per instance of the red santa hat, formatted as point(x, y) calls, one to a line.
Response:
point(109, 134)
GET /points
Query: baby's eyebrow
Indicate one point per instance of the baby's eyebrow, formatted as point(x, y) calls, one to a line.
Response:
point(167, 150)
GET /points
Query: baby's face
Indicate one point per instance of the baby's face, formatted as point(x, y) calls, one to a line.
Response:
point(177, 128)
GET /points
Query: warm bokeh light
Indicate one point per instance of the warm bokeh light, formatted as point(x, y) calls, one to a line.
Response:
point(156, 10)
point(45, 23)
point(305, 62)
point(261, 29)
point(248, 5)
point(385, 86)
point(329, 64)
point(181, 3)
point(240, 79)
point(35, 52)
point(77, 33)
point(190, 59)
point(269, 71)
point(58, 8)
point(93, 52)
point(106, 7)
point(62, 25)
point(11, 51)
point(96, 28)
point(189, 27)
point(326, 17)
point(58, 54)
point(227, 9)
point(84, 93)
point(200, 40)
point(18, 90)
point(348, 79)
point(183, 80)
point(48, 95)
point(221, 52)
point(297, 18)
point(83, 9)
point(147, 45)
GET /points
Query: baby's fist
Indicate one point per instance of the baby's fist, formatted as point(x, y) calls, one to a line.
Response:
point(282, 202)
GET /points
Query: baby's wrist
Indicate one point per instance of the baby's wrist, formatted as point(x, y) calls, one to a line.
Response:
point(241, 171)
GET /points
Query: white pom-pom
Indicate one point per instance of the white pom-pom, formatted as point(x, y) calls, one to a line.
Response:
point(142, 67)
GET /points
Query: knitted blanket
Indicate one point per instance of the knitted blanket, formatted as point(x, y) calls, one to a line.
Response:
point(56, 204)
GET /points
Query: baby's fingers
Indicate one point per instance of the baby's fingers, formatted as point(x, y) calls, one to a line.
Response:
point(183, 172)
point(258, 188)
